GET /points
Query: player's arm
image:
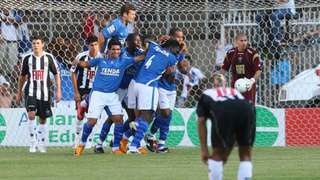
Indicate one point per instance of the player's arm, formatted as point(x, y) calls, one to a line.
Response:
point(22, 79)
point(74, 79)
point(140, 57)
point(257, 69)
point(54, 68)
point(202, 128)
point(106, 33)
point(226, 64)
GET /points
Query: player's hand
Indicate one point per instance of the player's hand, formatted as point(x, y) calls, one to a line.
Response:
point(74, 63)
point(18, 97)
point(58, 96)
point(250, 83)
point(77, 97)
point(133, 125)
point(204, 156)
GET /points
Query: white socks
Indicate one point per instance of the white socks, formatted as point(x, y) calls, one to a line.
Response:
point(32, 126)
point(245, 170)
point(215, 169)
point(78, 127)
point(42, 133)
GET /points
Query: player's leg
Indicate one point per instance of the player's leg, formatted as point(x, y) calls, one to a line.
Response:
point(96, 105)
point(245, 134)
point(98, 148)
point(166, 109)
point(43, 111)
point(32, 124)
point(147, 101)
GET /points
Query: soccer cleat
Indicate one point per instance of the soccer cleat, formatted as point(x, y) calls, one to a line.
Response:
point(142, 150)
point(33, 148)
point(79, 149)
point(98, 149)
point(42, 148)
point(80, 111)
point(151, 143)
point(118, 151)
point(162, 148)
point(133, 151)
point(123, 145)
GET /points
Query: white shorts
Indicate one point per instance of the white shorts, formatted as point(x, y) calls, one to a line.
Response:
point(167, 99)
point(142, 97)
point(123, 95)
point(100, 100)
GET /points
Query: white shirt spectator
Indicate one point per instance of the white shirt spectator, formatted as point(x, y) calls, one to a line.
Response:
point(287, 5)
point(195, 75)
point(221, 51)
point(23, 31)
point(8, 30)
point(3, 81)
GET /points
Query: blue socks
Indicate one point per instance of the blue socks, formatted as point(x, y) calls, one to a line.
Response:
point(104, 131)
point(164, 127)
point(87, 129)
point(117, 135)
point(141, 130)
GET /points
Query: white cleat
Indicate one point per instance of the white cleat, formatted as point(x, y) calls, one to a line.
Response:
point(133, 151)
point(42, 148)
point(33, 147)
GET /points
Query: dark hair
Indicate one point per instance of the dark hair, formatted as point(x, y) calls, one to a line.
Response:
point(131, 37)
point(91, 39)
point(173, 31)
point(126, 8)
point(113, 42)
point(37, 37)
point(170, 43)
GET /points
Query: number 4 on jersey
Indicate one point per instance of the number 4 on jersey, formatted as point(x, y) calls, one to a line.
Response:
point(149, 61)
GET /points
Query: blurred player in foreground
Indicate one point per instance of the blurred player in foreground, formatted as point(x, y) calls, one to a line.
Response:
point(233, 119)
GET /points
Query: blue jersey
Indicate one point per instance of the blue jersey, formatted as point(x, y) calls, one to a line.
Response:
point(155, 64)
point(131, 71)
point(164, 83)
point(116, 29)
point(109, 72)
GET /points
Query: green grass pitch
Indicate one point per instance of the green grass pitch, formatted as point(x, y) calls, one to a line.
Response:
point(180, 163)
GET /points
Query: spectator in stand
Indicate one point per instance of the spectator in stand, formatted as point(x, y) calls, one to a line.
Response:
point(221, 48)
point(6, 96)
point(8, 42)
point(285, 9)
point(24, 44)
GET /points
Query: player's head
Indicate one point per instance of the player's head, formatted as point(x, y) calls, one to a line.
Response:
point(177, 34)
point(93, 45)
point(37, 44)
point(146, 39)
point(241, 41)
point(219, 80)
point(133, 41)
point(114, 48)
point(172, 45)
point(128, 12)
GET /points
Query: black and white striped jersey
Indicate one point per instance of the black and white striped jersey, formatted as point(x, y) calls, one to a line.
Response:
point(38, 70)
point(85, 76)
point(213, 100)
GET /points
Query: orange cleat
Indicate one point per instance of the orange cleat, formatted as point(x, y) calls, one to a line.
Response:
point(142, 150)
point(123, 145)
point(118, 151)
point(78, 150)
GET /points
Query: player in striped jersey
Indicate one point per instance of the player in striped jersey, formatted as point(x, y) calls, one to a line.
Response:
point(232, 118)
point(36, 69)
point(82, 80)
point(118, 28)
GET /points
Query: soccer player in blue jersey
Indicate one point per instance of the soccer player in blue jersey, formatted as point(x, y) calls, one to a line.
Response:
point(143, 92)
point(167, 99)
point(109, 74)
point(118, 27)
point(132, 49)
